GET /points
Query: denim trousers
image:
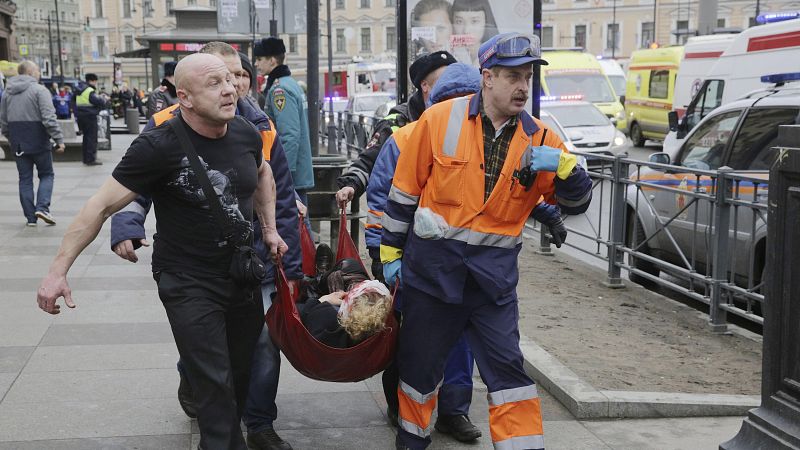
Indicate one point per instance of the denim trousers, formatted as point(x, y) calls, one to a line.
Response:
point(260, 410)
point(43, 161)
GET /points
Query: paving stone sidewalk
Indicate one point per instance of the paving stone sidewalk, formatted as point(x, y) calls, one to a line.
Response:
point(102, 376)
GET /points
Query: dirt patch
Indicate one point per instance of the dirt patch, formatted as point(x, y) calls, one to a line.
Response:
point(628, 339)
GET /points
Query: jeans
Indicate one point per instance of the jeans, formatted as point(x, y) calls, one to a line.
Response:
point(216, 326)
point(88, 126)
point(44, 169)
point(260, 410)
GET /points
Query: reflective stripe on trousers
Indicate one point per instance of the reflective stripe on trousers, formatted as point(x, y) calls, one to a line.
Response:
point(515, 419)
point(416, 409)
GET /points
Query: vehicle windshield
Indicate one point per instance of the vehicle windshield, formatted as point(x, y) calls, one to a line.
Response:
point(618, 82)
point(579, 116)
point(592, 86)
point(548, 120)
point(370, 103)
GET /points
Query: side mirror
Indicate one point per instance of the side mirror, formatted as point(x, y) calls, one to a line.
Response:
point(672, 117)
point(660, 158)
point(622, 99)
point(575, 135)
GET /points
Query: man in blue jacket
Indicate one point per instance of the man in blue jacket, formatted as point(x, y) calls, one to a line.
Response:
point(87, 107)
point(286, 105)
point(127, 234)
point(28, 120)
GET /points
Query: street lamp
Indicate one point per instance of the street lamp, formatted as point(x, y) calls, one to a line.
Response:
point(145, 9)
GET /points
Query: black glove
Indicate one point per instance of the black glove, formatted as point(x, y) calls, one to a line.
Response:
point(550, 216)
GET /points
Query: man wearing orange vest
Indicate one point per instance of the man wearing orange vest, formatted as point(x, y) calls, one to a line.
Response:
point(473, 170)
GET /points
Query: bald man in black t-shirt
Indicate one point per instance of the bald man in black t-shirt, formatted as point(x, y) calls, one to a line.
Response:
point(214, 321)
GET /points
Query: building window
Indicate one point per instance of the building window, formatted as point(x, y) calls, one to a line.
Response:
point(647, 35)
point(212, 3)
point(101, 46)
point(98, 8)
point(339, 4)
point(547, 37)
point(722, 23)
point(341, 43)
point(292, 43)
point(147, 6)
point(612, 36)
point(365, 4)
point(580, 36)
point(751, 22)
point(390, 3)
point(391, 38)
point(192, 2)
point(170, 5)
point(128, 42)
point(366, 38)
point(681, 31)
point(126, 9)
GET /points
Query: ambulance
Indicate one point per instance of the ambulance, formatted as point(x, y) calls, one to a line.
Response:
point(649, 92)
point(773, 48)
point(614, 73)
point(699, 55)
point(573, 72)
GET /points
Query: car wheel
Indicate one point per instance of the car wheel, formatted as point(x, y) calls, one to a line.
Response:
point(636, 235)
point(636, 135)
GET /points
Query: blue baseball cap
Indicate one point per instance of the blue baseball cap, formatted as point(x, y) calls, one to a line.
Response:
point(510, 50)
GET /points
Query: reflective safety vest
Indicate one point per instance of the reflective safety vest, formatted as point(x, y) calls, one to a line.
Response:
point(83, 99)
point(267, 136)
point(441, 167)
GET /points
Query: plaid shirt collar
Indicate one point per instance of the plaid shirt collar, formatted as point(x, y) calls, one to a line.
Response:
point(495, 149)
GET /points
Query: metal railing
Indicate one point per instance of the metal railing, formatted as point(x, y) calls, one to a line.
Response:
point(649, 219)
point(353, 131)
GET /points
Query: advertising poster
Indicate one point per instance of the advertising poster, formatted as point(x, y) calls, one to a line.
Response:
point(460, 26)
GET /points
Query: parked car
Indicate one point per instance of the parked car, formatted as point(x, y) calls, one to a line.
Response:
point(339, 105)
point(740, 135)
point(383, 110)
point(589, 130)
point(366, 103)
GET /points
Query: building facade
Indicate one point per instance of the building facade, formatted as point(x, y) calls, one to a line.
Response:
point(616, 28)
point(114, 27)
point(36, 31)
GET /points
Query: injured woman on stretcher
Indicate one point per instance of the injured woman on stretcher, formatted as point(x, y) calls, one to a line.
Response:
point(343, 307)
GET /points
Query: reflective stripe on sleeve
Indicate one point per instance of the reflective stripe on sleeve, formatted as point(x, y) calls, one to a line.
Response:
point(398, 196)
point(512, 395)
point(374, 219)
point(522, 442)
point(394, 226)
point(457, 113)
point(134, 207)
point(575, 203)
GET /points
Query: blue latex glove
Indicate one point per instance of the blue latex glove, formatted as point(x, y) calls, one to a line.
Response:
point(545, 159)
point(550, 216)
point(391, 272)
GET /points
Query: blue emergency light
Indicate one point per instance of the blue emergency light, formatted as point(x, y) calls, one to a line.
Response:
point(780, 77)
point(777, 17)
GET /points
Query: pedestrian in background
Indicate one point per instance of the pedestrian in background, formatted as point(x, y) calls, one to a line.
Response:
point(28, 120)
point(87, 107)
point(287, 107)
point(165, 94)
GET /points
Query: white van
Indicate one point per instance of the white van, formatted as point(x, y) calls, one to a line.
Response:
point(699, 55)
point(770, 49)
point(615, 75)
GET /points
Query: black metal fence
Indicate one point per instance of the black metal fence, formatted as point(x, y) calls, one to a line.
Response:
point(351, 131)
point(662, 225)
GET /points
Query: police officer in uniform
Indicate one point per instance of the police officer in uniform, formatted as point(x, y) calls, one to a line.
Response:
point(165, 95)
point(286, 105)
point(87, 106)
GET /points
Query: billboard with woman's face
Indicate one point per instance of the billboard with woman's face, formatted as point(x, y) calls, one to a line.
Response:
point(460, 26)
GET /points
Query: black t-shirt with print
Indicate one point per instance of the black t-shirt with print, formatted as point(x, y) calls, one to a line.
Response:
point(188, 238)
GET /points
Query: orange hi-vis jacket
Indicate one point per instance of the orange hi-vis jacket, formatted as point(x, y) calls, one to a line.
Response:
point(441, 167)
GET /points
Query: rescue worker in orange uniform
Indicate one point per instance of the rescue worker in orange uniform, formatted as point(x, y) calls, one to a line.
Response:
point(470, 175)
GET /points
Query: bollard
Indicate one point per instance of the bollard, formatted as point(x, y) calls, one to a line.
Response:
point(132, 120)
point(776, 423)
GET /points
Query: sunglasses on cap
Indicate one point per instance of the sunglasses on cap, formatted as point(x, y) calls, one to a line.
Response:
point(514, 46)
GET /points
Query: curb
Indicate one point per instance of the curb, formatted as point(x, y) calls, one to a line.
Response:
point(584, 401)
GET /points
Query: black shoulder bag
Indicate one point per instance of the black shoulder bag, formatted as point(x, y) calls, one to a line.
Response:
point(246, 268)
